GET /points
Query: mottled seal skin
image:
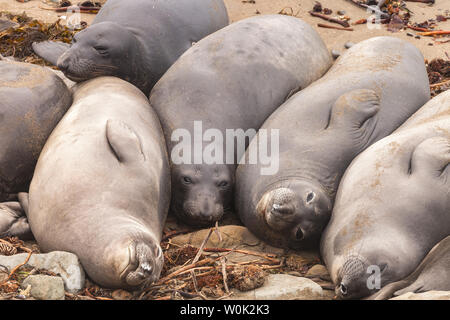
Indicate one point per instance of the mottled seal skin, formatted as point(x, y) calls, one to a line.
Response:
point(101, 187)
point(232, 79)
point(392, 205)
point(368, 93)
point(32, 101)
point(135, 40)
point(433, 273)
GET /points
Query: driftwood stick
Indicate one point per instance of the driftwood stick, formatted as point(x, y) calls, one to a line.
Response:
point(330, 19)
point(333, 27)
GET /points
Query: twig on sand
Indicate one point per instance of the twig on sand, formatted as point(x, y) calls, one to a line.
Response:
point(190, 266)
point(435, 33)
point(421, 1)
point(440, 84)
point(79, 9)
point(17, 267)
point(224, 274)
point(202, 246)
point(418, 28)
point(343, 23)
point(267, 256)
point(333, 27)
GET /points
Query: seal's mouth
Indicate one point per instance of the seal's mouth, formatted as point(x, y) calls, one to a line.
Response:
point(75, 78)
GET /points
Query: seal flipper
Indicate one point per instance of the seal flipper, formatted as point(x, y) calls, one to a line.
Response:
point(50, 51)
point(23, 200)
point(353, 109)
point(124, 142)
point(432, 156)
point(13, 221)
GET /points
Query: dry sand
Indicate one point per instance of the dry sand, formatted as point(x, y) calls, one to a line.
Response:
point(335, 39)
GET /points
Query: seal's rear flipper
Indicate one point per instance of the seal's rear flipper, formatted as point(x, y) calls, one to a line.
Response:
point(432, 156)
point(124, 141)
point(50, 51)
point(13, 222)
point(353, 109)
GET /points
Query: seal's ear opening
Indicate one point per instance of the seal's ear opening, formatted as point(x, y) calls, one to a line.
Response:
point(432, 156)
point(355, 108)
point(50, 51)
point(124, 142)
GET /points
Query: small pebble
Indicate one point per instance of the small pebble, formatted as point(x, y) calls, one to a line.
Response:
point(417, 37)
point(348, 45)
point(341, 12)
point(336, 54)
point(430, 44)
point(409, 34)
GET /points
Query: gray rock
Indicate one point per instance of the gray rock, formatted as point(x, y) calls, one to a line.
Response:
point(319, 271)
point(336, 54)
point(348, 45)
point(64, 264)
point(283, 287)
point(45, 287)
point(429, 295)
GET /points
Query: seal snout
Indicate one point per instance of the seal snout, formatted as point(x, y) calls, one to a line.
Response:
point(300, 210)
point(204, 208)
point(353, 278)
point(145, 264)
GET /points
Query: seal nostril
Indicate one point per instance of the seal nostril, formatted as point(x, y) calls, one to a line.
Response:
point(343, 289)
point(310, 197)
point(299, 235)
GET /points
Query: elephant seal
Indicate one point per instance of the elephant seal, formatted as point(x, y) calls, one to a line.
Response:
point(368, 93)
point(229, 82)
point(392, 205)
point(135, 40)
point(32, 101)
point(101, 188)
point(433, 273)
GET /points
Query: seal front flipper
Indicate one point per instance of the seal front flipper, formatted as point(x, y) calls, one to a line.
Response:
point(432, 156)
point(23, 200)
point(355, 112)
point(124, 141)
point(13, 221)
point(50, 51)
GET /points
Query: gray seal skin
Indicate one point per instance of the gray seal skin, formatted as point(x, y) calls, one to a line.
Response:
point(135, 40)
point(433, 273)
point(32, 101)
point(101, 188)
point(13, 221)
point(368, 93)
point(232, 79)
point(393, 204)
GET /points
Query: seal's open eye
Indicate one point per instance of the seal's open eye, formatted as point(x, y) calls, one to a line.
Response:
point(187, 180)
point(223, 183)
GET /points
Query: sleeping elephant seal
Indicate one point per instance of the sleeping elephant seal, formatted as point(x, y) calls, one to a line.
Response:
point(101, 188)
point(226, 86)
point(32, 101)
point(433, 273)
point(368, 93)
point(392, 206)
point(136, 40)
